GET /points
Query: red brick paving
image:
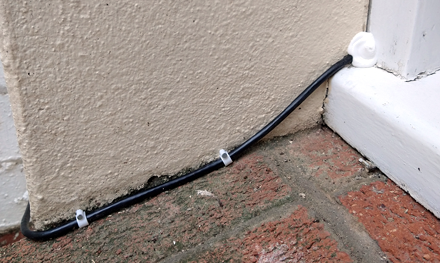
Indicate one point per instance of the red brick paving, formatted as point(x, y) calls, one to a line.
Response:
point(10, 238)
point(169, 223)
point(179, 220)
point(405, 230)
point(297, 238)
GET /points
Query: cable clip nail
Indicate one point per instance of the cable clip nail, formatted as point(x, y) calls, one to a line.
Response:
point(81, 218)
point(224, 155)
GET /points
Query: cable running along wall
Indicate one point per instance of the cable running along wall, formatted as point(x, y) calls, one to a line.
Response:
point(208, 168)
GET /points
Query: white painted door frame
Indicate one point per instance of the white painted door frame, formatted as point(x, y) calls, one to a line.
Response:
point(407, 36)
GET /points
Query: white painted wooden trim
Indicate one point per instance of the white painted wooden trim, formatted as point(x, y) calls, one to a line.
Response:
point(407, 36)
point(393, 123)
point(13, 195)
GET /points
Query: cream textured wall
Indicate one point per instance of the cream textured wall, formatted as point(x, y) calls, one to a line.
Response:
point(106, 94)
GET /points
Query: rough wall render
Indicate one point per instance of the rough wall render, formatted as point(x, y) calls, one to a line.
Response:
point(107, 94)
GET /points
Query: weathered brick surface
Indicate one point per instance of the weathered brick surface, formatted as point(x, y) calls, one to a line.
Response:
point(297, 238)
point(169, 223)
point(405, 230)
point(10, 237)
point(286, 183)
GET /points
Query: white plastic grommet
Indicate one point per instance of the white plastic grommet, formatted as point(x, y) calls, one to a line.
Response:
point(363, 49)
point(81, 218)
point(224, 155)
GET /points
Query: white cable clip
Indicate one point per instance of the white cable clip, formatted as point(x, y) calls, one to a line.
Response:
point(81, 218)
point(363, 49)
point(224, 155)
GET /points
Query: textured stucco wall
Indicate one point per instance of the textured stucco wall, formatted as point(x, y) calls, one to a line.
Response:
point(107, 94)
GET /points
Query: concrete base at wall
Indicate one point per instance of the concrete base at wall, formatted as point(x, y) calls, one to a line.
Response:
point(393, 123)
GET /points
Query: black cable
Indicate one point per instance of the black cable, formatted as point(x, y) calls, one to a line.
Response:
point(111, 208)
point(208, 168)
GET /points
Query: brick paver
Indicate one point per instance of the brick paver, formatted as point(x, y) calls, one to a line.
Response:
point(300, 198)
point(405, 230)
